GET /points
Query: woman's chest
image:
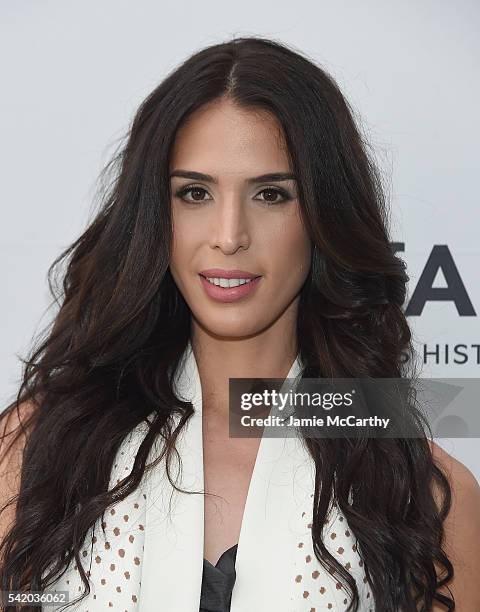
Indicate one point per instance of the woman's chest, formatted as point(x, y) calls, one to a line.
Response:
point(228, 464)
point(276, 567)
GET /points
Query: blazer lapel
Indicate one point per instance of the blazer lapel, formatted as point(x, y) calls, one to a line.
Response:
point(173, 555)
point(281, 486)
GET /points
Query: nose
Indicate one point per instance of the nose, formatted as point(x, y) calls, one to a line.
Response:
point(230, 231)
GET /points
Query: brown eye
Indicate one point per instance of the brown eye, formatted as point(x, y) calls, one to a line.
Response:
point(272, 194)
point(197, 193)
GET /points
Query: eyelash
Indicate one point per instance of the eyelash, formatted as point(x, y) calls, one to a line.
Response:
point(184, 190)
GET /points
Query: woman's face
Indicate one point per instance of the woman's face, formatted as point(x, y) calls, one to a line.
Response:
point(226, 217)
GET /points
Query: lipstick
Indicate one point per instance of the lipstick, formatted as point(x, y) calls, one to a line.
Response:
point(228, 285)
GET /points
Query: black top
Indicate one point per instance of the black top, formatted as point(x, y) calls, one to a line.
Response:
point(218, 581)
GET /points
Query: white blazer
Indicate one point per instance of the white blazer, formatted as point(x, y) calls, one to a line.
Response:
point(151, 556)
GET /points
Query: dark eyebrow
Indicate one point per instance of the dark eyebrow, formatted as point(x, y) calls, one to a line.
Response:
point(264, 178)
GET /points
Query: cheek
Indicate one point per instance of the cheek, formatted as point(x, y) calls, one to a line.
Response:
point(289, 252)
point(184, 244)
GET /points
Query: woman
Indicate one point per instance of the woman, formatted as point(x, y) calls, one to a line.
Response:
point(243, 163)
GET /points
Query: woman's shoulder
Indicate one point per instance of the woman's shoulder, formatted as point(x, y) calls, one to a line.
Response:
point(461, 529)
point(12, 442)
point(460, 477)
point(463, 520)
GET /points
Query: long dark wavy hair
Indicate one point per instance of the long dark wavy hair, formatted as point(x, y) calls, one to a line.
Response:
point(105, 362)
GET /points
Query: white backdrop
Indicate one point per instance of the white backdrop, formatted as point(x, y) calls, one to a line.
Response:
point(74, 74)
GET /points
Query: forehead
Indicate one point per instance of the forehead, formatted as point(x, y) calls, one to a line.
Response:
point(224, 138)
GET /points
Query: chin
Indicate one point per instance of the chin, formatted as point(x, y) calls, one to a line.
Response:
point(233, 327)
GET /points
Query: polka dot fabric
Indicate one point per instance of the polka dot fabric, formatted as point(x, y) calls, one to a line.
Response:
point(112, 560)
point(319, 589)
point(150, 556)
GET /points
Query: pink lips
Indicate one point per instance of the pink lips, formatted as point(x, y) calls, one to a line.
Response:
point(228, 294)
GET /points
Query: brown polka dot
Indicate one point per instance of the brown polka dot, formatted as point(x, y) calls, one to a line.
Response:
point(305, 594)
point(347, 533)
point(312, 609)
point(322, 590)
point(98, 559)
point(348, 565)
point(131, 538)
point(94, 597)
point(110, 604)
point(308, 558)
point(309, 526)
point(354, 548)
point(112, 511)
point(104, 524)
point(329, 606)
point(118, 589)
point(341, 519)
point(127, 575)
point(340, 550)
point(116, 531)
point(84, 553)
point(103, 581)
point(135, 505)
point(333, 535)
point(94, 539)
point(298, 578)
point(134, 598)
point(88, 573)
point(125, 517)
point(338, 585)
point(112, 566)
point(360, 563)
point(315, 574)
point(121, 552)
point(345, 600)
point(107, 545)
point(136, 560)
point(365, 580)
point(141, 527)
point(300, 545)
